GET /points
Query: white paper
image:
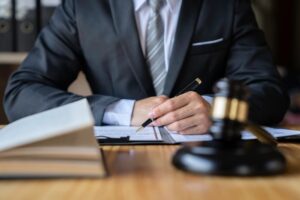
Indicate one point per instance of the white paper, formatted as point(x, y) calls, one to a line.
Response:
point(59, 121)
point(179, 138)
point(147, 134)
point(276, 132)
point(246, 135)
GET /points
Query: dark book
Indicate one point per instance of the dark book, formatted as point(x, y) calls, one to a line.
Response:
point(6, 25)
point(26, 24)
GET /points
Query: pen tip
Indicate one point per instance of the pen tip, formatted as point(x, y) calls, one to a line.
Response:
point(139, 129)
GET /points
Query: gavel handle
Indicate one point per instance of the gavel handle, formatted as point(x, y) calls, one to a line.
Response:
point(262, 135)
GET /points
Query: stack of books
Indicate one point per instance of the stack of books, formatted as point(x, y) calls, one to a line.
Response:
point(55, 143)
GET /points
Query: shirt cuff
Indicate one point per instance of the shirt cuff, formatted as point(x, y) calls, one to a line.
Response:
point(119, 113)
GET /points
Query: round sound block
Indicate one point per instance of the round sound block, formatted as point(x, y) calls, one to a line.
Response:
point(250, 158)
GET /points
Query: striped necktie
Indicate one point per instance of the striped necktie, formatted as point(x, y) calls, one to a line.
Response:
point(155, 46)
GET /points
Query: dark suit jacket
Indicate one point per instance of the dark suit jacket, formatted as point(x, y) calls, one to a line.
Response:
point(100, 38)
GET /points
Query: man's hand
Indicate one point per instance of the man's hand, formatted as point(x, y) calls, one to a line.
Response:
point(143, 107)
point(187, 113)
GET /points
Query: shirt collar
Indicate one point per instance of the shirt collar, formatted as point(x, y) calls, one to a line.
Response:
point(172, 4)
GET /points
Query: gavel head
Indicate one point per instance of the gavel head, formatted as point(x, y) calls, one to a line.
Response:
point(229, 110)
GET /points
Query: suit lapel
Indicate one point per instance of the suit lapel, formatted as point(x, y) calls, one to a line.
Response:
point(185, 29)
point(124, 22)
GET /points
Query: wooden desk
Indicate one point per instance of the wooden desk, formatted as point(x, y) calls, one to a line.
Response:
point(145, 172)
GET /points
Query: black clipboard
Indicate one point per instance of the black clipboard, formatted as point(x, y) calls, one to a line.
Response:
point(166, 140)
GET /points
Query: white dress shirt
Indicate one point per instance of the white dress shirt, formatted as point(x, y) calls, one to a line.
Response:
point(120, 112)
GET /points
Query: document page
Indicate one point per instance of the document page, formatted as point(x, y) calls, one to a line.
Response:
point(246, 135)
point(153, 134)
point(276, 132)
point(179, 138)
point(147, 134)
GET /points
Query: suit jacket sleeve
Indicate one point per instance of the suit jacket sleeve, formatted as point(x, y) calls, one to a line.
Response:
point(250, 61)
point(41, 82)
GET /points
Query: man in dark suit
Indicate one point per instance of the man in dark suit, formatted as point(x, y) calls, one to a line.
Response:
point(114, 42)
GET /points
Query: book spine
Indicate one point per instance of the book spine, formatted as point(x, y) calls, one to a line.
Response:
point(6, 25)
point(26, 24)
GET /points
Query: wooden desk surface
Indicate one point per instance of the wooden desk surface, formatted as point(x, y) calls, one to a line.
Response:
point(145, 172)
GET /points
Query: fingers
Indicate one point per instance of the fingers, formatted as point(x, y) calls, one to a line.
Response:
point(199, 129)
point(170, 105)
point(187, 113)
point(160, 99)
point(196, 124)
point(183, 124)
point(183, 107)
point(181, 113)
point(143, 107)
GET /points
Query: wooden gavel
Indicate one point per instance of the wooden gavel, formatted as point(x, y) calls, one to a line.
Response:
point(227, 154)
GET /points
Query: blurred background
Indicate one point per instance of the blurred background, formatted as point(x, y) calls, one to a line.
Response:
point(280, 20)
point(21, 20)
